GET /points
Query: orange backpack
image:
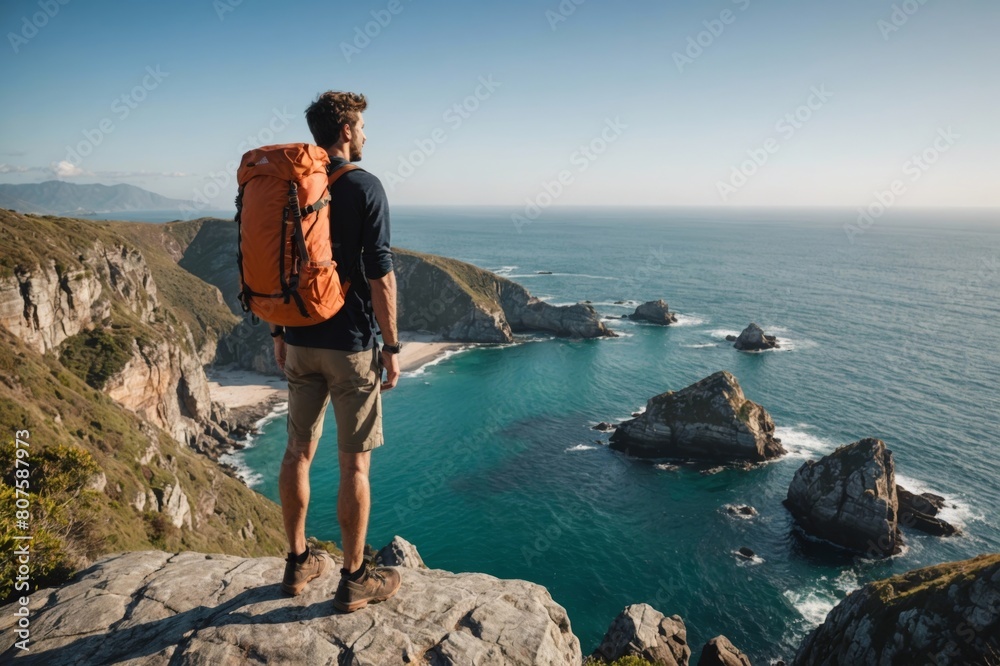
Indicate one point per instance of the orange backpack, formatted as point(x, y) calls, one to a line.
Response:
point(288, 275)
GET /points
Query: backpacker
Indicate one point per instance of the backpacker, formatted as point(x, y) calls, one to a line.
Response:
point(288, 275)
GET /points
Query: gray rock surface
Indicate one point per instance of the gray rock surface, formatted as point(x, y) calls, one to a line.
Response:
point(721, 652)
point(164, 381)
point(753, 338)
point(946, 615)
point(642, 631)
point(655, 312)
point(160, 608)
point(709, 420)
point(400, 553)
point(920, 513)
point(849, 498)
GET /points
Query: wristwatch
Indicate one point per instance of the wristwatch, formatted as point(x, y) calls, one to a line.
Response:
point(278, 332)
point(393, 349)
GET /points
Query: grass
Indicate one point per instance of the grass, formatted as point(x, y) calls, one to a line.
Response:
point(97, 355)
point(76, 429)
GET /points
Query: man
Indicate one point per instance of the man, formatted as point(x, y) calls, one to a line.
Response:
point(339, 360)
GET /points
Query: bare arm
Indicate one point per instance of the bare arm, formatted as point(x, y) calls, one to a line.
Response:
point(384, 303)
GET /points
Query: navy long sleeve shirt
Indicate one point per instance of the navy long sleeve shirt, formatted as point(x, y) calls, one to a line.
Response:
point(359, 214)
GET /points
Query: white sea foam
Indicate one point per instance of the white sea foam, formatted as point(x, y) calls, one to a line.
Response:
point(279, 409)
point(243, 471)
point(955, 511)
point(666, 467)
point(814, 604)
point(689, 320)
point(612, 304)
point(721, 333)
point(434, 361)
point(742, 561)
point(801, 443)
point(702, 345)
point(581, 447)
point(503, 270)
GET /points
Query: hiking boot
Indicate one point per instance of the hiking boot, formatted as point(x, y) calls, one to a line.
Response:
point(377, 584)
point(297, 576)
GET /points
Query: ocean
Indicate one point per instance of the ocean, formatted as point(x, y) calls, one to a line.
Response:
point(491, 465)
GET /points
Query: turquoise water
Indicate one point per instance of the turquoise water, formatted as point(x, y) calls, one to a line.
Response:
point(490, 464)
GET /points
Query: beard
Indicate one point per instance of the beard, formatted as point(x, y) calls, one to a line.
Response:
point(355, 149)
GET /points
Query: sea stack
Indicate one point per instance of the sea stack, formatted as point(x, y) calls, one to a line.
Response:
point(849, 498)
point(709, 420)
point(753, 338)
point(655, 312)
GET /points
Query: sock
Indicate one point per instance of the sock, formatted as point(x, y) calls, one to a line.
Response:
point(357, 575)
point(301, 559)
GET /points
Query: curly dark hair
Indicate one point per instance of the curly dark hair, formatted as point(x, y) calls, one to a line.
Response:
point(330, 112)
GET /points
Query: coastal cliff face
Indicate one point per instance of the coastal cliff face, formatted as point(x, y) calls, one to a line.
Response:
point(103, 344)
point(66, 282)
point(465, 303)
point(946, 614)
point(49, 301)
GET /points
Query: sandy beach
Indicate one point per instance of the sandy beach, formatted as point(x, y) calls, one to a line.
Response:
point(247, 390)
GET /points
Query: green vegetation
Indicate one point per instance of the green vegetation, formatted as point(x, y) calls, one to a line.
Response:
point(478, 283)
point(97, 355)
point(744, 413)
point(78, 433)
point(58, 501)
point(628, 660)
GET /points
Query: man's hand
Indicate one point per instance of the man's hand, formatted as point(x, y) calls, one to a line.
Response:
point(279, 352)
point(391, 364)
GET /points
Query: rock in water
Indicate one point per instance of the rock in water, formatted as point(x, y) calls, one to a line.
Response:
point(753, 338)
point(946, 614)
point(740, 510)
point(849, 498)
point(189, 608)
point(709, 420)
point(720, 652)
point(603, 426)
point(656, 312)
point(642, 631)
point(920, 511)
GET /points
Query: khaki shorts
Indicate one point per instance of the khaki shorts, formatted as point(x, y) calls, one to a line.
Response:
point(351, 380)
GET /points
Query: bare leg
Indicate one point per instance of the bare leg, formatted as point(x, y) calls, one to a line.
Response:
point(293, 489)
point(353, 505)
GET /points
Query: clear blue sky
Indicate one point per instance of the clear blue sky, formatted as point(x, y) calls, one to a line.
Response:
point(673, 132)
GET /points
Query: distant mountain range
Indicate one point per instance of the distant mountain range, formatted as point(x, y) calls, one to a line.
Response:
point(55, 197)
